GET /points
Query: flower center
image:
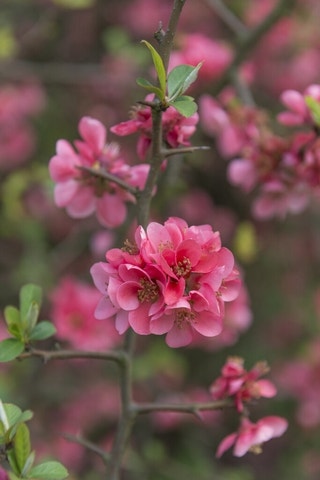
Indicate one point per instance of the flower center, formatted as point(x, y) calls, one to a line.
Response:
point(149, 291)
point(183, 267)
point(183, 316)
point(130, 248)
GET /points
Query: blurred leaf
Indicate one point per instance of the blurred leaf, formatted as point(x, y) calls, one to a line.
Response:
point(180, 78)
point(75, 3)
point(49, 471)
point(314, 107)
point(158, 63)
point(21, 445)
point(10, 348)
point(42, 331)
point(185, 105)
point(8, 44)
point(245, 242)
point(28, 464)
point(24, 417)
point(142, 82)
point(12, 413)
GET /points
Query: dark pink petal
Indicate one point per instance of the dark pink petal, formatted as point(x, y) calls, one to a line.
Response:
point(173, 291)
point(161, 324)
point(125, 128)
point(246, 439)
point(139, 319)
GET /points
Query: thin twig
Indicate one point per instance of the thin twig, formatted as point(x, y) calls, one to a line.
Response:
point(88, 445)
point(193, 408)
point(249, 41)
point(100, 173)
point(47, 355)
point(168, 152)
point(229, 18)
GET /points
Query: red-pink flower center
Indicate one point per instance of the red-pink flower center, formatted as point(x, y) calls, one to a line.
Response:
point(149, 291)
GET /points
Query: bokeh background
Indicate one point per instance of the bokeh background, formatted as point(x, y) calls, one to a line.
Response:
point(63, 59)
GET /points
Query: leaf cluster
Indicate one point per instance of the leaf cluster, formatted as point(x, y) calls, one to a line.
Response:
point(16, 445)
point(171, 88)
point(22, 323)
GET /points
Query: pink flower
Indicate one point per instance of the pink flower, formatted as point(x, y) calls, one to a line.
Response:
point(82, 193)
point(196, 48)
point(251, 436)
point(240, 384)
point(177, 129)
point(73, 306)
point(3, 474)
point(174, 280)
point(298, 112)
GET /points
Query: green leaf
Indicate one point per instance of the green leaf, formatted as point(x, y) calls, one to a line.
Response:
point(10, 348)
point(49, 471)
point(28, 464)
point(180, 78)
point(314, 107)
point(30, 303)
point(185, 105)
point(42, 331)
point(158, 63)
point(12, 476)
point(142, 82)
point(12, 413)
point(23, 417)
point(12, 318)
point(13, 462)
point(21, 445)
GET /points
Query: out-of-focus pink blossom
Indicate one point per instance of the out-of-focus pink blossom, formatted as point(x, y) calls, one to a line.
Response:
point(251, 436)
point(174, 280)
point(73, 306)
point(298, 112)
point(195, 48)
point(82, 193)
point(17, 137)
point(3, 474)
point(240, 384)
point(177, 129)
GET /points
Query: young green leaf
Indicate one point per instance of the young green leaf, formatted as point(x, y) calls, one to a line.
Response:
point(30, 303)
point(142, 82)
point(48, 471)
point(21, 445)
point(12, 318)
point(28, 464)
point(185, 105)
point(12, 413)
point(10, 348)
point(23, 417)
point(42, 331)
point(180, 78)
point(158, 63)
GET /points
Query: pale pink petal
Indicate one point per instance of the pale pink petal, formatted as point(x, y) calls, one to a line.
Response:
point(125, 128)
point(122, 323)
point(278, 424)
point(64, 192)
point(82, 204)
point(179, 337)
point(161, 325)
point(139, 319)
point(127, 296)
point(207, 324)
point(246, 439)
point(93, 132)
point(225, 444)
point(105, 309)
point(111, 210)
point(266, 388)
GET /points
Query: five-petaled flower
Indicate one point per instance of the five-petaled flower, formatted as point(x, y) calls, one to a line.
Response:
point(174, 280)
point(80, 191)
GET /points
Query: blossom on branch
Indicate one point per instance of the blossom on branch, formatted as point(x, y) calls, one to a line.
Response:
point(251, 436)
point(240, 384)
point(83, 192)
point(177, 129)
point(173, 280)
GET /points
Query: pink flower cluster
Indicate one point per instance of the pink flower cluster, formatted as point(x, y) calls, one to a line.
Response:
point(72, 312)
point(177, 129)
point(251, 436)
point(173, 280)
point(83, 193)
point(286, 172)
point(240, 384)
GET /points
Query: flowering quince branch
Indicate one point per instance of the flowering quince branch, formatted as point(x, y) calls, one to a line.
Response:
point(108, 176)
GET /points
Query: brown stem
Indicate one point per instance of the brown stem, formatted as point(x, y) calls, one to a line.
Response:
point(192, 408)
point(100, 173)
point(47, 355)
